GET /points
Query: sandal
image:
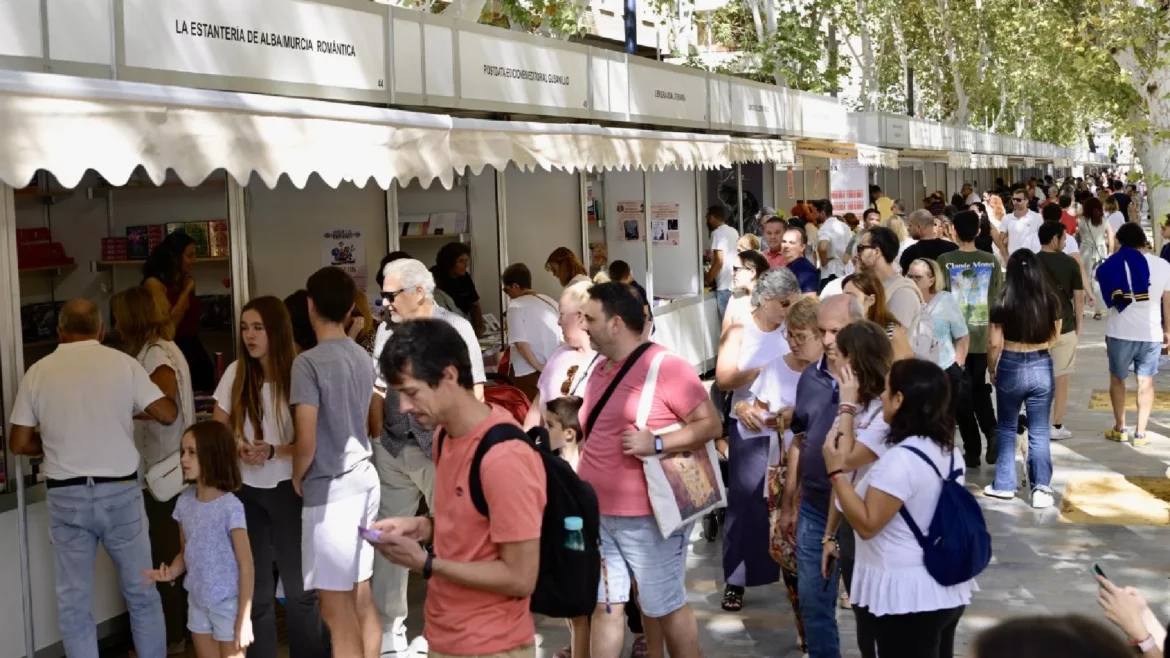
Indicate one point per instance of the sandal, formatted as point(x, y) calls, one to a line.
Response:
point(567, 652)
point(640, 649)
point(732, 598)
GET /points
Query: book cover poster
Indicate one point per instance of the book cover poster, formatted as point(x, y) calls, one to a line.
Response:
point(345, 248)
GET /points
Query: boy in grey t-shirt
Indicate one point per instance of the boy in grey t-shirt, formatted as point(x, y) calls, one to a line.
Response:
point(332, 385)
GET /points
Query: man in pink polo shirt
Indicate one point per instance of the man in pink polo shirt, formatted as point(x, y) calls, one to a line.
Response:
point(630, 540)
point(774, 230)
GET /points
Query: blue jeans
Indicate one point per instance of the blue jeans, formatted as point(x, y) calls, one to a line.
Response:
point(818, 599)
point(722, 297)
point(1023, 378)
point(112, 513)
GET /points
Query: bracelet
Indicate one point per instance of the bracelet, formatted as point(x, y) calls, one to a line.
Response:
point(271, 452)
point(843, 406)
point(851, 412)
point(826, 540)
point(833, 474)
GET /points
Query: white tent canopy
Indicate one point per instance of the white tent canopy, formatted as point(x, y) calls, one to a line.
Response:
point(67, 125)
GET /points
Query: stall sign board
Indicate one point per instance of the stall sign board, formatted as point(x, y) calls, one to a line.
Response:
point(848, 186)
point(514, 72)
point(667, 95)
point(896, 132)
point(20, 28)
point(286, 41)
point(756, 107)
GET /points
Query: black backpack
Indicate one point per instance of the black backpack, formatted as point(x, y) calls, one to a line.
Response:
point(567, 583)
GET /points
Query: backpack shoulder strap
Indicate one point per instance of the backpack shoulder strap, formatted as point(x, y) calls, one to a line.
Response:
point(918, 535)
point(496, 435)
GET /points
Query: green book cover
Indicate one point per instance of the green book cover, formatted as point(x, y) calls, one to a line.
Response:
point(198, 233)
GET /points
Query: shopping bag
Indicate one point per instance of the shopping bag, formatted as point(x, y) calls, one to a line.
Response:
point(683, 486)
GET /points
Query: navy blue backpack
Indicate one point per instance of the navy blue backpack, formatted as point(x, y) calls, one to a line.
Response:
point(958, 547)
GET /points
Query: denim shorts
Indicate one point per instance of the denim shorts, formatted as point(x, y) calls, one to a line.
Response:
point(1142, 355)
point(218, 620)
point(633, 546)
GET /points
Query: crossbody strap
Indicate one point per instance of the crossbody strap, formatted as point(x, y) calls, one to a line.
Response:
point(630, 361)
point(583, 376)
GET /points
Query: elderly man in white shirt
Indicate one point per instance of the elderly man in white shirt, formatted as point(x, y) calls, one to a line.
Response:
point(83, 397)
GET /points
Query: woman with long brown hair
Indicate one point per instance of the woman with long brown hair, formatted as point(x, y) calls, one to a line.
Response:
point(566, 267)
point(865, 287)
point(1096, 241)
point(148, 333)
point(253, 400)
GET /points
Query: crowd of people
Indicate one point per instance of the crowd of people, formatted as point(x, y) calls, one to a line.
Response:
point(346, 451)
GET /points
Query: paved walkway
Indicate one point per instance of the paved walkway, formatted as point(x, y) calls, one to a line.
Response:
point(1041, 565)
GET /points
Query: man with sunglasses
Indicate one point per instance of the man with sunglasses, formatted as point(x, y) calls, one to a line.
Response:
point(403, 457)
point(1021, 227)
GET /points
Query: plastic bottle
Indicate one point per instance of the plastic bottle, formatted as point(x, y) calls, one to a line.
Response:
point(574, 538)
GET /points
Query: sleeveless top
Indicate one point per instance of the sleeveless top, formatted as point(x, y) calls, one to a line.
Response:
point(188, 327)
point(757, 349)
point(1094, 243)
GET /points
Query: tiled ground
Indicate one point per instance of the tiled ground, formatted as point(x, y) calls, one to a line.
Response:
point(1041, 565)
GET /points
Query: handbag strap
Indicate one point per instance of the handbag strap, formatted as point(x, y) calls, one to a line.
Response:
point(630, 361)
point(583, 376)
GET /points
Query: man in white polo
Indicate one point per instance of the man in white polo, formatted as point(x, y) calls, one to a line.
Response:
point(83, 398)
point(403, 457)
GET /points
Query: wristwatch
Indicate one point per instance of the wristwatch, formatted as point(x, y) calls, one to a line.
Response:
point(428, 565)
point(271, 451)
point(658, 445)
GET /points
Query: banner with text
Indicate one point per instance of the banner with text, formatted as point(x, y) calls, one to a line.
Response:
point(290, 41)
point(668, 95)
point(510, 71)
point(848, 187)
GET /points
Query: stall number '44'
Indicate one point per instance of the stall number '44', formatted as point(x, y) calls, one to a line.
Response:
point(381, 83)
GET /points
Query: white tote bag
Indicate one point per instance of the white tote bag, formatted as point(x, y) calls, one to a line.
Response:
point(683, 486)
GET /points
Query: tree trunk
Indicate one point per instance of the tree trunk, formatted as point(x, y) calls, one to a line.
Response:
point(757, 20)
point(962, 109)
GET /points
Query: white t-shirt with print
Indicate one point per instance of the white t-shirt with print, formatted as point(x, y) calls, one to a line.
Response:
point(277, 426)
point(535, 320)
point(1142, 321)
point(723, 239)
point(838, 235)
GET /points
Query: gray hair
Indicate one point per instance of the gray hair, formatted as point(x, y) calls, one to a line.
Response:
point(921, 217)
point(852, 306)
point(413, 274)
point(899, 205)
point(778, 283)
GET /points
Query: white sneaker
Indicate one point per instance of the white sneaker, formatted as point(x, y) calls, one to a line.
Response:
point(394, 643)
point(1059, 434)
point(991, 492)
point(1042, 499)
point(419, 646)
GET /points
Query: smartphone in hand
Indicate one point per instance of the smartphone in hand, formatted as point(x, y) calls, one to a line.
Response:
point(1097, 572)
point(372, 536)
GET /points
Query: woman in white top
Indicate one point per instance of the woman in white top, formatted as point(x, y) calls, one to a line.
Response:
point(253, 400)
point(745, 272)
point(775, 394)
point(898, 604)
point(860, 429)
point(1113, 213)
point(567, 369)
point(746, 347)
point(147, 331)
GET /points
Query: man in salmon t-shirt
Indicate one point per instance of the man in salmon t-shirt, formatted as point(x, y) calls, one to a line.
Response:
point(483, 571)
point(630, 539)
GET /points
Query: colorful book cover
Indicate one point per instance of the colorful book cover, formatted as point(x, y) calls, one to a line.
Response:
point(218, 238)
point(138, 242)
point(198, 233)
point(173, 227)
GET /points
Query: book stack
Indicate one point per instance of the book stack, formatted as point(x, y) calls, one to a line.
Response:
point(211, 240)
point(35, 248)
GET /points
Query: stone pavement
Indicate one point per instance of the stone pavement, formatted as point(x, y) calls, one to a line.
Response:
point(1041, 565)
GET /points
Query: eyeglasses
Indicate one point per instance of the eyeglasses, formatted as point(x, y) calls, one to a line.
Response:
point(862, 248)
point(737, 269)
point(918, 277)
point(1018, 200)
point(795, 338)
point(389, 296)
point(567, 385)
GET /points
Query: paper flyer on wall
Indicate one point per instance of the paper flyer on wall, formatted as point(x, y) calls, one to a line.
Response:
point(345, 248)
point(629, 216)
point(664, 223)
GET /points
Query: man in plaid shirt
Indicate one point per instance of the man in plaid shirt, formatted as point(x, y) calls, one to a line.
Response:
point(403, 455)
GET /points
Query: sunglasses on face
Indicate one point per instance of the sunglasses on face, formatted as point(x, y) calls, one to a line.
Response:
point(389, 296)
point(737, 269)
point(1014, 200)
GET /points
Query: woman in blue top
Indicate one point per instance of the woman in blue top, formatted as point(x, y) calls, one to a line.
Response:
point(950, 329)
